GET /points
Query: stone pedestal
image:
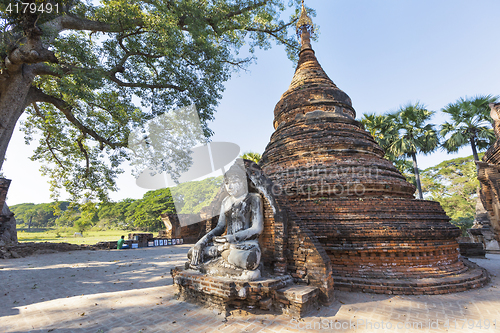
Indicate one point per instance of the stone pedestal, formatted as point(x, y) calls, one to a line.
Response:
point(224, 294)
point(469, 248)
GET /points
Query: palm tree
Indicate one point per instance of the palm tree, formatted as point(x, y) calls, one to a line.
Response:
point(470, 124)
point(380, 127)
point(414, 135)
point(383, 130)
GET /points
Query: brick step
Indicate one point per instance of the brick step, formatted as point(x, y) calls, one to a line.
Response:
point(297, 299)
point(395, 274)
point(349, 221)
point(474, 277)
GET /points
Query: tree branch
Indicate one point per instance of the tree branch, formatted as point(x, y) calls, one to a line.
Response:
point(120, 38)
point(85, 153)
point(111, 74)
point(71, 22)
point(47, 138)
point(272, 31)
point(212, 21)
point(27, 54)
point(246, 9)
point(40, 96)
point(112, 77)
point(239, 63)
point(44, 69)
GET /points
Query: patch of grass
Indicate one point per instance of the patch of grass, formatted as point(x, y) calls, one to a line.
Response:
point(56, 236)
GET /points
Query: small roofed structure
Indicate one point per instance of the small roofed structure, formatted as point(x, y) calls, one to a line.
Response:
point(189, 227)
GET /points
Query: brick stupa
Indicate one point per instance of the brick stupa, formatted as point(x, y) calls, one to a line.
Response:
point(357, 204)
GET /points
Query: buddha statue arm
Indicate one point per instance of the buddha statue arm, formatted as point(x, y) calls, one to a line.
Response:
point(197, 250)
point(217, 231)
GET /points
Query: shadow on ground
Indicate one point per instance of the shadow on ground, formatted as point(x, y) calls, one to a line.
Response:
point(39, 279)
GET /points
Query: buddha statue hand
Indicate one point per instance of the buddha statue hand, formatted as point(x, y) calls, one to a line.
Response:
point(221, 244)
point(225, 239)
point(196, 255)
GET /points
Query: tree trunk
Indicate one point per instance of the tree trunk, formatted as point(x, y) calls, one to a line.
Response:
point(13, 100)
point(474, 150)
point(417, 176)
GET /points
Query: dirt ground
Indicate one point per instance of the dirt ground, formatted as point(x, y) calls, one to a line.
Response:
point(131, 291)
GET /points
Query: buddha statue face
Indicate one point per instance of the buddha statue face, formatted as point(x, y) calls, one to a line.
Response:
point(235, 186)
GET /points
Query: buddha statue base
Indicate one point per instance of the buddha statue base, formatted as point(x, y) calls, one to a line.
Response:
point(219, 267)
point(270, 294)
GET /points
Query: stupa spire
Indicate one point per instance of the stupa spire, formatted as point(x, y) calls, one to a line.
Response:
point(305, 28)
point(311, 89)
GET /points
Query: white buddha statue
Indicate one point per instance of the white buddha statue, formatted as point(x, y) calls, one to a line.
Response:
point(238, 252)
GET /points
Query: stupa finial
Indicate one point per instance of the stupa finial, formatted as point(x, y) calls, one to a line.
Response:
point(304, 24)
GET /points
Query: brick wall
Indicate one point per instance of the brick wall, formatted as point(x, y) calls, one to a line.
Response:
point(380, 238)
point(307, 261)
point(489, 177)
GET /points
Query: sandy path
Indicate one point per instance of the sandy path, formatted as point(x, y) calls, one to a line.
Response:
point(131, 291)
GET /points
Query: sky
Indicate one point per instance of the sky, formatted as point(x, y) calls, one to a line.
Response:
point(382, 53)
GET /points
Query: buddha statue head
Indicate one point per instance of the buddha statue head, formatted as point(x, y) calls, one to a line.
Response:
point(235, 181)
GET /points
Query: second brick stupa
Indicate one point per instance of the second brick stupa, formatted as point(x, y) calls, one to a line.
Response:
point(356, 203)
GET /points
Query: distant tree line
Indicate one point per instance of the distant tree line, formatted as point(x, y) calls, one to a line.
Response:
point(31, 215)
point(131, 214)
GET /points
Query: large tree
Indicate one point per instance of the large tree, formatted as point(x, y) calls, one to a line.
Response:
point(415, 135)
point(81, 70)
point(470, 124)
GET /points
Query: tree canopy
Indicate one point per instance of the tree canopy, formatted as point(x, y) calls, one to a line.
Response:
point(453, 183)
point(252, 156)
point(414, 135)
point(87, 73)
point(40, 215)
point(192, 196)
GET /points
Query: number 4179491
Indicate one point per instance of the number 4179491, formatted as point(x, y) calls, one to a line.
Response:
point(470, 323)
point(33, 8)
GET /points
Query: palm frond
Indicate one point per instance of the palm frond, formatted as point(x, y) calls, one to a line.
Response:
point(455, 141)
